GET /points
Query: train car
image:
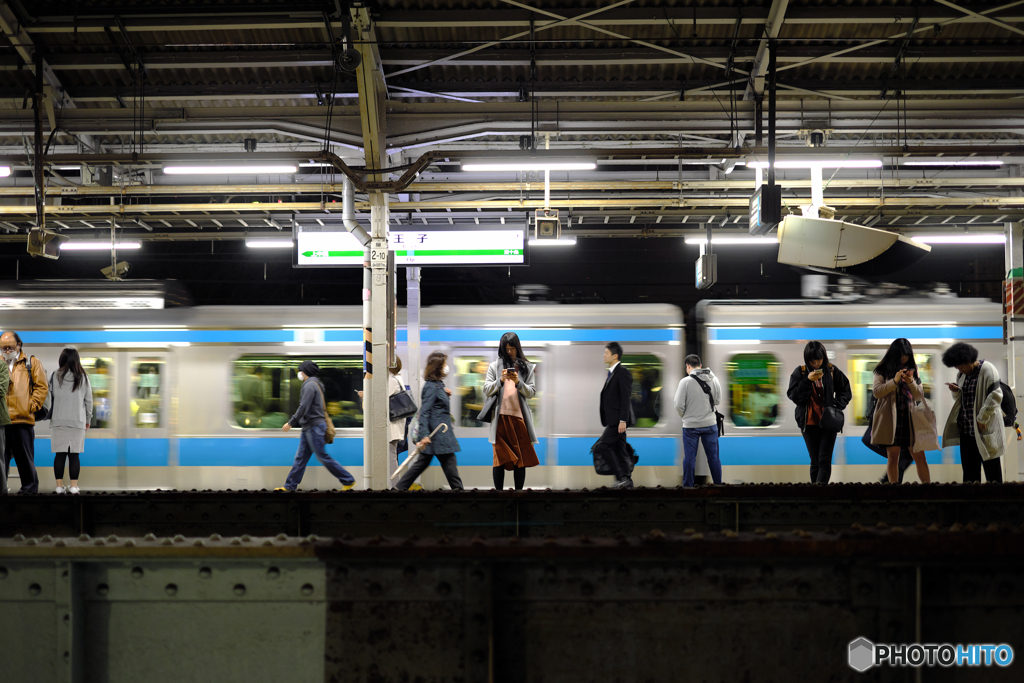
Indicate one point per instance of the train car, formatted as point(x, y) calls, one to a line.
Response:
point(754, 346)
point(195, 397)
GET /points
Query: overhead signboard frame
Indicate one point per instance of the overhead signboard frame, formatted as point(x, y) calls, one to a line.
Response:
point(325, 243)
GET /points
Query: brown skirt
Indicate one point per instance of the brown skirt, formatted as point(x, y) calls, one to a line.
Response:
point(512, 447)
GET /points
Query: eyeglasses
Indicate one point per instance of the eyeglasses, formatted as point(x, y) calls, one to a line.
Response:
point(7, 349)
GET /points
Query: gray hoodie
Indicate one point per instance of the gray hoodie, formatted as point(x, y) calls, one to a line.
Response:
point(691, 401)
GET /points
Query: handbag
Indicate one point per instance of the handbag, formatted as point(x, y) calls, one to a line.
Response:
point(832, 419)
point(874, 447)
point(487, 414)
point(45, 411)
point(922, 417)
point(401, 405)
point(329, 434)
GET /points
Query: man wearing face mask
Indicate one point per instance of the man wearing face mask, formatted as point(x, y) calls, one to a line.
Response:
point(311, 417)
point(25, 396)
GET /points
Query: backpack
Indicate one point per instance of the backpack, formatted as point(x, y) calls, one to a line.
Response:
point(1008, 404)
point(46, 410)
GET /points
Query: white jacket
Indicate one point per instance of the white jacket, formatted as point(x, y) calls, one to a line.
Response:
point(396, 428)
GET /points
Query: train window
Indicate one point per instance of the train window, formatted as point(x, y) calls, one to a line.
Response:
point(646, 369)
point(862, 379)
point(265, 389)
point(101, 379)
point(471, 372)
point(147, 392)
point(753, 389)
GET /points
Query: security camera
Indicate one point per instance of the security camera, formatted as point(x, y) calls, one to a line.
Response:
point(117, 271)
point(815, 137)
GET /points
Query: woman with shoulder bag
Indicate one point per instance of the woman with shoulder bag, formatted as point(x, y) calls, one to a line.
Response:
point(435, 410)
point(897, 387)
point(511, 380)
point(821, 392)
point(70, 416)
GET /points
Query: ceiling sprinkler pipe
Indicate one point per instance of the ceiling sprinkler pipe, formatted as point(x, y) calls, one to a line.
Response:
point(348, 212)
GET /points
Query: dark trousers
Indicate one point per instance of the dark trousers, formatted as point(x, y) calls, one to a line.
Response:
point(820, 444)
point(21, 446)
point(58, 465)
point(709, 437)
point(612, 447)
point(3, 465)
point(312, 443)
point(518, 477)
point(449, 465)
point(970, 460)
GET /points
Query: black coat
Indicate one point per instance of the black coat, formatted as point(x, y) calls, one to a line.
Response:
point(616, 406)
point(836, 390)
point(435, 410)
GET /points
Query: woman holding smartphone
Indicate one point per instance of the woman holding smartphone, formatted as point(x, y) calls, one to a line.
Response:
point(897, 387)
point(813, 387)
point(512, 434)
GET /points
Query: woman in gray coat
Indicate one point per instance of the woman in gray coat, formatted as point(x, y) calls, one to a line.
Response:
point(70, 417)
point(512, 433)
point(435, 410)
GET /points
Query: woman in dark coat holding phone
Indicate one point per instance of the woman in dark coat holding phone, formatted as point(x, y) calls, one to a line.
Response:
point(435, 410)
point(821, 393)
point(511, 379)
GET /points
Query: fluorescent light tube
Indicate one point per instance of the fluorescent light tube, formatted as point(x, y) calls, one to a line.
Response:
point(97, 246)
point(207, 170)
point(952, 162)
point(560, 242)
point(990, 238)
point(824, 163)
point(527, 165)
point(268, 243)
point(5, 171)
point(733, 240)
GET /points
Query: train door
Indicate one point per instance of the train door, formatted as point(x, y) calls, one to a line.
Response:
point(145, 415)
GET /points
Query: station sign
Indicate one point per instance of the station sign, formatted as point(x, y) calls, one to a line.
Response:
point(327, 246)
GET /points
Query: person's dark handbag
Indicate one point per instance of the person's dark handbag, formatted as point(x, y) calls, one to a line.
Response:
point(490, 403)
point(401, 405)
point(877, 448)
point(719, 418)
point(832, 419)
point(601, 466)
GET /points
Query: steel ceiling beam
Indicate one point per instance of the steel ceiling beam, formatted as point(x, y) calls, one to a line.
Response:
point(23, 44)
point(976, 15)
point(772, 26)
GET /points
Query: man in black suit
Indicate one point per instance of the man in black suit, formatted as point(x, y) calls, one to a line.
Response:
point(615, 416)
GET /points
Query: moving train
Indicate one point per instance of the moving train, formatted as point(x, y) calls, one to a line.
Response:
point(195, 397)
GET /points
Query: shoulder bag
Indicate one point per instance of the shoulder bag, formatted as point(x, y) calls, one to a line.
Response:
point(401, 405)
point(45, 410)
point(330, 433)
point(719, 418)
point(832, 419)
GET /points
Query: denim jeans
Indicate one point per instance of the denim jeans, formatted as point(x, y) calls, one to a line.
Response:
point(709, 437)
point(312, 442)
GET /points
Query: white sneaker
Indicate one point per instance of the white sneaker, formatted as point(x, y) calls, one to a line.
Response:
point(73, 490)
point(59, 489)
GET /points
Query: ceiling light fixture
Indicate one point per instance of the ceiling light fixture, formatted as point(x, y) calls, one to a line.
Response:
point(560, 242)
point(5, 171)
point(529, 165)
point(210, 170)
point(981, 238)
point(952, 162)
point(265, 243)
point(823, 163)
point(97, 246)
point(758, 241)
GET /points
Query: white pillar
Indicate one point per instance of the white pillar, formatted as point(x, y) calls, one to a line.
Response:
point(1014, 349)
point(412, 316)
point(375, 416)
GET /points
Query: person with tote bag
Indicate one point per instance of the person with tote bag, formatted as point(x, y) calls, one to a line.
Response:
point(898, 421)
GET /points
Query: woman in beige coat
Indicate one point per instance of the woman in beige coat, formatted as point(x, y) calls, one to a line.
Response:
point(897, 387)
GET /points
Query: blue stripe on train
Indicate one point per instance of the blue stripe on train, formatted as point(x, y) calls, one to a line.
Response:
point(258, 451)
point(740, 334)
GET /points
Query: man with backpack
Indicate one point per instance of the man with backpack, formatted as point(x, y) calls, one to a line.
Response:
point(696, 400)
point(976, 422)
point(26, 399)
